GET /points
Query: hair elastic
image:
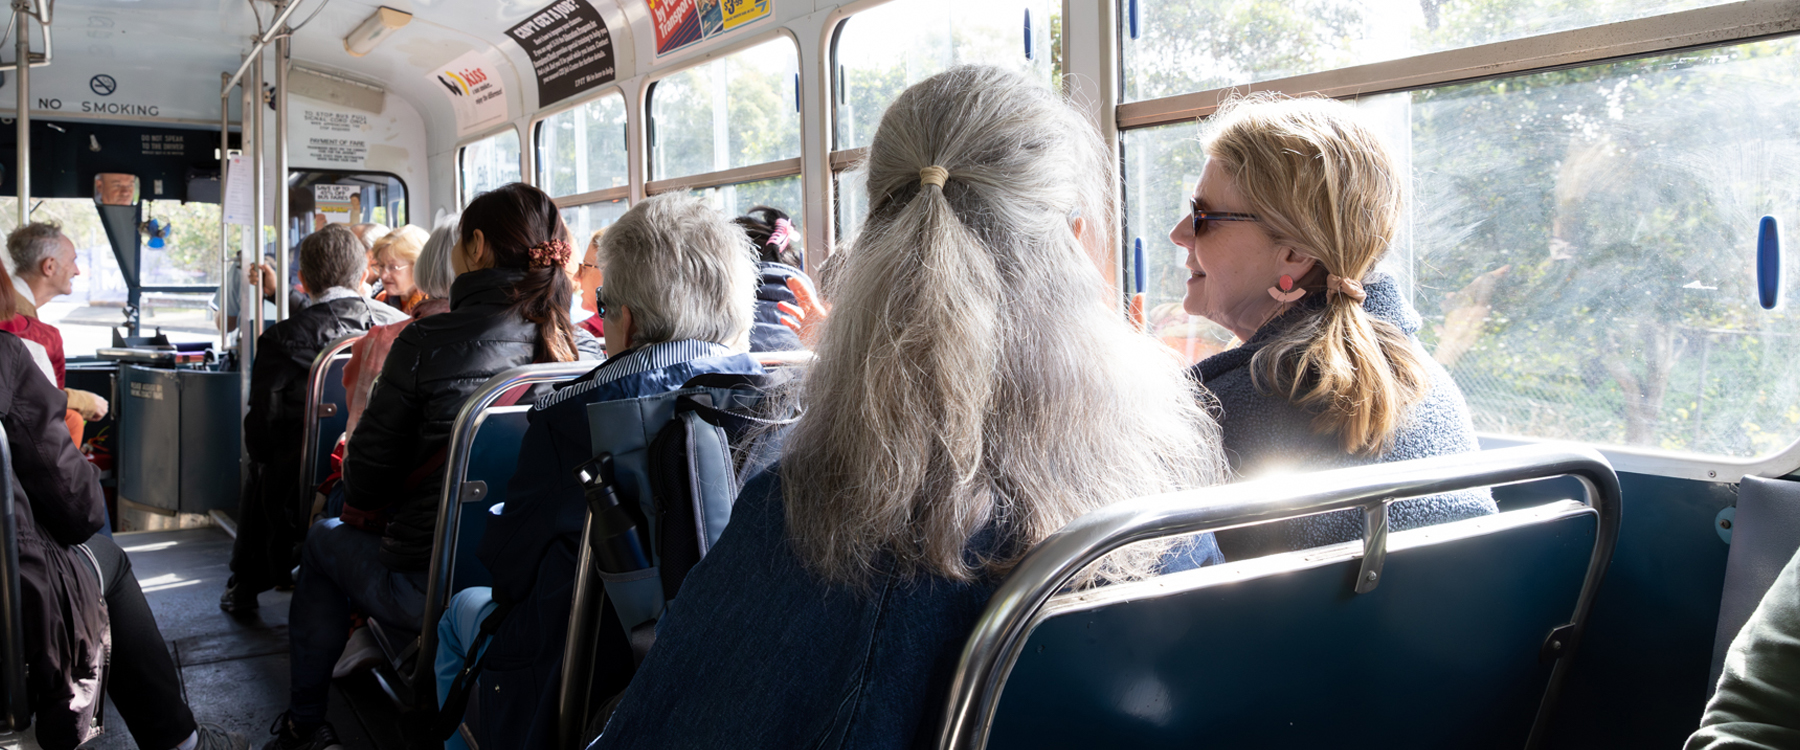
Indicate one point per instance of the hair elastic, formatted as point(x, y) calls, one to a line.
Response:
point(933, 175)
point(784, 230)
point(1346, 287)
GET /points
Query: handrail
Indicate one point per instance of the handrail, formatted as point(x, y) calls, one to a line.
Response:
point(456, 465)
point(993, 645)
point(315, 392)
point(12, 606)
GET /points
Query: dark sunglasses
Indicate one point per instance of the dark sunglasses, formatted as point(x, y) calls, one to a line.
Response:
point(1200, 217)
point(600, 301)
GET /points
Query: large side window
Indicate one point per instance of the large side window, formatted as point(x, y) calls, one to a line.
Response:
point(582, 149)
point(488, 163)
point(1581, 243)
point(1180, 46)
point(879, 52)
point(730, 127)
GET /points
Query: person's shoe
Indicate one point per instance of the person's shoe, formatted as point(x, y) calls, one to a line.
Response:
point(362, 652)
point(322, 737)
point(237, 600)
point(214, 737)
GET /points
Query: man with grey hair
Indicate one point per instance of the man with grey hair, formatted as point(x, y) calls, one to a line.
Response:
point(678, 303)
point(331, 269)
point(44, 259)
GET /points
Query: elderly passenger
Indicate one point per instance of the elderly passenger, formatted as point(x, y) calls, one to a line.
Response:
point(271, 514)
point(971, 396)
point(509, 307)
point(588, 279)
point(778, 250)
point(678, 306)
point(395, 255)
point(1298, 202)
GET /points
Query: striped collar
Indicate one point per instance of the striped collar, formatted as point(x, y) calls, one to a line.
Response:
point(336, 292)
point(633, 362)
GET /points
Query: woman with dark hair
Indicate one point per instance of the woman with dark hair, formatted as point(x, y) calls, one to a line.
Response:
point(779, 259)
point(509, 306)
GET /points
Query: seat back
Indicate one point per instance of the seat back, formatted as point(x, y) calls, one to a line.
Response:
point(1453, 635)
point(327, 412)
point(14, 701)
point(1765, 533)
point(478, 464)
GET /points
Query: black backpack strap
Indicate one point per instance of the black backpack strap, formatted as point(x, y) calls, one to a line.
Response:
point(456, 702)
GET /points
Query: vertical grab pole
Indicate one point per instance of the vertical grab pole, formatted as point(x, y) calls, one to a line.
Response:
point(281, 169)
point(224, 232)
point(22, 48)
point(256, 187)
point(249, 296)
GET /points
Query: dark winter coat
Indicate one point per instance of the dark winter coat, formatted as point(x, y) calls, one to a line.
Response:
point(1264, 432)
point(432, 368)
point(768, 334)
point(59, 505)
point(532, 545)
point(275, 426)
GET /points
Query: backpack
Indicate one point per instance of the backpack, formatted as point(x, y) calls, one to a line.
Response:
point(666, 472)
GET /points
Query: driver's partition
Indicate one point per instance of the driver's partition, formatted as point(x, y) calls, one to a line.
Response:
point(1455, 635)
point(327, 412)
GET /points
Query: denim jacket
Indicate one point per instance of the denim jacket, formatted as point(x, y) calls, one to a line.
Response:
point(759, 653)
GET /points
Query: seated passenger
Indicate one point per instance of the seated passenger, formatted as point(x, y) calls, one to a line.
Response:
point(68, 633)
point(778, 247)
point(971, 396)
point(588, 279)
point(271, 513)
point(678, 307)
point(1758, 701)
point(432, 274)
point(509, 307)
point(44, 259)
point(1298, 202)
point(395, 255)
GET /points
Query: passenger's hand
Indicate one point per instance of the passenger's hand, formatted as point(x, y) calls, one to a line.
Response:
point(808, 316)
point(263, 277)
point(92, 407)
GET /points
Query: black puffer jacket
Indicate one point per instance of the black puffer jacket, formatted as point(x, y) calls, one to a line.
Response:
point(59, 504)
point(1264, 433)
point(433, 367)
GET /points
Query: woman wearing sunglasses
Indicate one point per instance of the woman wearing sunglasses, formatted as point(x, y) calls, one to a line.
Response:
point(1297, 204)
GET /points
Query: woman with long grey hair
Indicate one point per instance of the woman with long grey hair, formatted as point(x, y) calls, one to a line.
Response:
point(972, 394)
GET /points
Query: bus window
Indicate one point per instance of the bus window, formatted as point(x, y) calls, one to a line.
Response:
point(736, 111)
point(1581, 245)
point(583, 220)
point(1174, 47)
point(582, 149)
point(488, 163)
point(880, 51)
point(781, 192)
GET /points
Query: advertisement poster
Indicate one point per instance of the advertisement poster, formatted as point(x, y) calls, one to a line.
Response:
point(679, 23)
point(570, 49)
point(337, 203)
point(473, 85)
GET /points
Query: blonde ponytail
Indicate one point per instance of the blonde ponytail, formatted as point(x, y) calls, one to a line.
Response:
point(1324, 185)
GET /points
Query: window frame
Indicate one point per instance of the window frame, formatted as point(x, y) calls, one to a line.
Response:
point(463, 145)
point(1700, 28)
point(748, 173)
point(592, 196)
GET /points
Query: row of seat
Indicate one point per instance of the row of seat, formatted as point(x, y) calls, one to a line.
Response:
point(1456, 631)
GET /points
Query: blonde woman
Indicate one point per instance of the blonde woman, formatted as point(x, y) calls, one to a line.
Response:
point(970, 397)
point(1298, 202)
point(395, 254)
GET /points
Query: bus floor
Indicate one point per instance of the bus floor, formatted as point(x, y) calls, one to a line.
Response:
point(234, 672)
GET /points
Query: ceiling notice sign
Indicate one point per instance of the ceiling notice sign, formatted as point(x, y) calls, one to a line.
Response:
point(335, 202)
point(680, 23)
point(164, 144)
point(332, 138)
point(473, 85)
point(570, 48)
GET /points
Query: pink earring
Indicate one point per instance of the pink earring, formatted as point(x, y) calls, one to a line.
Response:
point(1284, 290)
